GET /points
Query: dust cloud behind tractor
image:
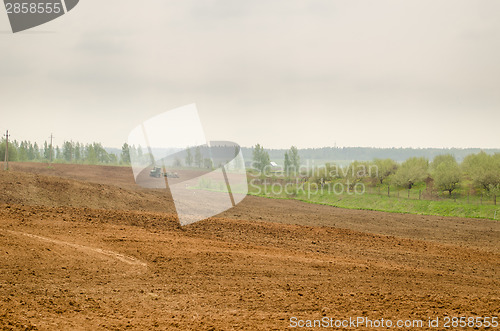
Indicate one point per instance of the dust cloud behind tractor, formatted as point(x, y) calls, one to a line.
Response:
point(26, 14)
point(215, 179)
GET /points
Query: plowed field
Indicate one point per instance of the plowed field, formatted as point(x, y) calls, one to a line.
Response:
point(82, 247)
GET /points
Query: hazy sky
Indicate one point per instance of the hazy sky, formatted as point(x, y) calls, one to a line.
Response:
point(280, 73)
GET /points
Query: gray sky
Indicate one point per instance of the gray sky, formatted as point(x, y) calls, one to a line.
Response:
point(280, 73)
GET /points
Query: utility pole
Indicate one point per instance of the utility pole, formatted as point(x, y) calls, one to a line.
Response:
point(6, 162)
point(51, 137)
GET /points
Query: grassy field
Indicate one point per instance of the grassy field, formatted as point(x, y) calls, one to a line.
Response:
point(397, 202)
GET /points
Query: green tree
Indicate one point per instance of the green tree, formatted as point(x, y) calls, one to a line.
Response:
point(207, 163)
point(36, 152)
point(132, 152)
point(260, 158)
point(354, 173)
point(31, 151)
point(198, 158)
point(294, 157)
point(412, 171)
point(140, 154)
point(446, 172)
point(78, 152)
point(101, 154)
point(125, 155)
point(90, 154)
point(238, 163)
point(46, 150)
point(12, 150)
point(113, 158)
point(483, 169)
point(287, 164)
point(384, 169)
point(68, 151)
point(189, 157)
point(23, 151)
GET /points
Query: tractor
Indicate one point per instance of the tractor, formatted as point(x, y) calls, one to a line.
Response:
point(157, 173)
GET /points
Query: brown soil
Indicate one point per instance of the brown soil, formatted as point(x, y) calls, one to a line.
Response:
point(81, 247)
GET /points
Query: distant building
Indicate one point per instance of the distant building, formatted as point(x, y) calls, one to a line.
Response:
point(275, 168)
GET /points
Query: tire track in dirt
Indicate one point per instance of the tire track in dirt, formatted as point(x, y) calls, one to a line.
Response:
point(87, 249)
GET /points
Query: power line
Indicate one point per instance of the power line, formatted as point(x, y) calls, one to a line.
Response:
point(6, 160)
point(51, 137)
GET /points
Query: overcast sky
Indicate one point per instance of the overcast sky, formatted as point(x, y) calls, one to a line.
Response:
point(280, 73)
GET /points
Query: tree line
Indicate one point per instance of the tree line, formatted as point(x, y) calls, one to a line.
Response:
point(370, 153)
point(479, 171)
point(95, 153)
point(68, 152)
